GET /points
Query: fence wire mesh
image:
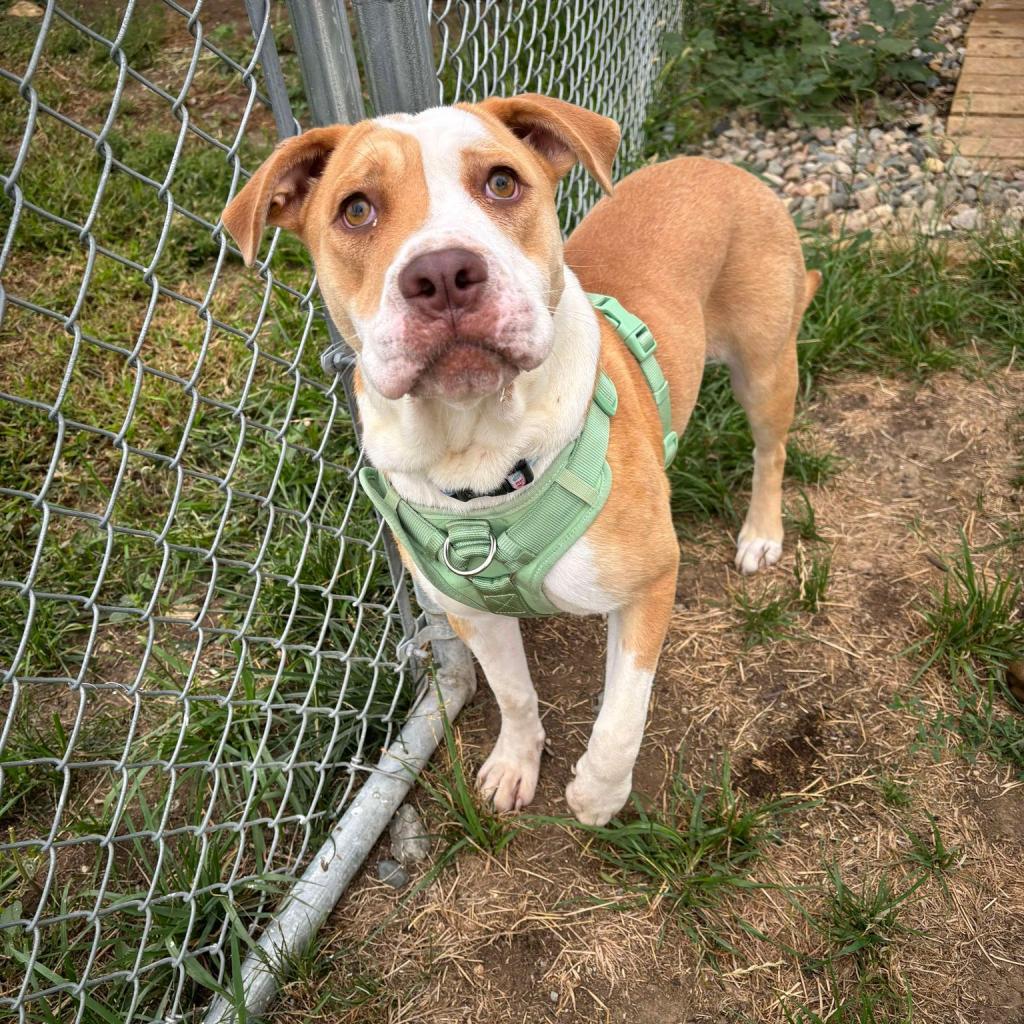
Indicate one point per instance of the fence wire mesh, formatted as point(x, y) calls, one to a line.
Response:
point(601, 54)
point(203, 646)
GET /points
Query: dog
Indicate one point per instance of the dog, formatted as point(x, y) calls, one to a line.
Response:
point(440, 259)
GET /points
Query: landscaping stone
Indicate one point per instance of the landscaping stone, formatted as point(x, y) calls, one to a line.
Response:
point(880, 174)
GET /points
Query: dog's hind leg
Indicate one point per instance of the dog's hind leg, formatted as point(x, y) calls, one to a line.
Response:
point(766, 388)
point(764, 379)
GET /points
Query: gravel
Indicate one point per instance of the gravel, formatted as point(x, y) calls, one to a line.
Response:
point(410, 841)
point(392, 873)
point(897, 174)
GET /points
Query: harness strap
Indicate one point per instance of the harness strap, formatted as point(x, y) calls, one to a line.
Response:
point(638, 339)
point(496, 558)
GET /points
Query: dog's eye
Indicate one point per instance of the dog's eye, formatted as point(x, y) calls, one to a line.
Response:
point(502, 184)
point(357, 211)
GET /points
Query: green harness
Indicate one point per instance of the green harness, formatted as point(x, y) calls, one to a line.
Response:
point(495, 559)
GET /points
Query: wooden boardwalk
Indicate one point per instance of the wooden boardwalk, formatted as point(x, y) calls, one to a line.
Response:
point(987, 119)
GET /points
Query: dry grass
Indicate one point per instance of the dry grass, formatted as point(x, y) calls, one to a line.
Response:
point(532, 937)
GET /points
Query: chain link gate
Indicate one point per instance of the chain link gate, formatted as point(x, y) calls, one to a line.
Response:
point(205, 640)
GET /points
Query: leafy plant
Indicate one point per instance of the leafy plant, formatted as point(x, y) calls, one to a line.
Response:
point(778, 59)
point(863, 922)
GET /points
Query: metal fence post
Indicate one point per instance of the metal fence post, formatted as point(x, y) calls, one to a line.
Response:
point(395, 40)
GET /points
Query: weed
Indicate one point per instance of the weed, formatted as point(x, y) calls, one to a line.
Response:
point(863, 922)
point(872, 1000)
point(975, 630)
point(763, 619)
point(812, 578)
point(466, 822)
point(930, 851)
point(894, 792)
point(804, 519)
point(779, 60)
point(693, 855)
point(975, 625)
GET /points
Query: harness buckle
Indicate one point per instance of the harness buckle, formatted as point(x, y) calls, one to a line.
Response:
point(642, 343)
point(671, 444)
point(468, 572)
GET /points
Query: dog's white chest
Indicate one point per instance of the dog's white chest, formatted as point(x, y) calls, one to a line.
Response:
point(573, 582)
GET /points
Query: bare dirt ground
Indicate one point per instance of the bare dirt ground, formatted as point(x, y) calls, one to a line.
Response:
point(523, 937)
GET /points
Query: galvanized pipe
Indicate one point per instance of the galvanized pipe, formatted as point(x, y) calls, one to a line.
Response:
point(334, 865)
point(395, 39)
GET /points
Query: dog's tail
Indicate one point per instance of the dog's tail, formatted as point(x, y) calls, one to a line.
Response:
point(812, 280)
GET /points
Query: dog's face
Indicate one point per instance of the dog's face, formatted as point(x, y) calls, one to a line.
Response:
point(434, 236)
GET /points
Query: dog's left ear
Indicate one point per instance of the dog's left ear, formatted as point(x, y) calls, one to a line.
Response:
point(560, 132)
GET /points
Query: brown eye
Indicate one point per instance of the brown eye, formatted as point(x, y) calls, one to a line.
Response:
point(502, 184)
point(358, 212)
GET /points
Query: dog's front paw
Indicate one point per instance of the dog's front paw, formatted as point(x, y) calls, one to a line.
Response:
point(595, 801)
point(754, 553)
point(509, 776)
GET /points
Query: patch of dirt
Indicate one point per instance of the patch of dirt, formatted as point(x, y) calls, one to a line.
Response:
point(532, 936)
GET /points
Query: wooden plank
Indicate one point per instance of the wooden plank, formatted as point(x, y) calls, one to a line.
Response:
point(993, 65)
point(992, 85)
point(988, 127)
point(994, 48)
point(979, 103)
point(1010, 16)
point(976, 146)
point(996, 30)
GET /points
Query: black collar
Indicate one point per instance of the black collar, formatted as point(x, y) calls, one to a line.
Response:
point(518, 477)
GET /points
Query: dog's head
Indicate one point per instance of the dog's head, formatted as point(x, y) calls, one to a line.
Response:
point(435, 236)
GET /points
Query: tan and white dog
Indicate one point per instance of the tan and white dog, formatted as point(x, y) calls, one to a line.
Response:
point(439, 255)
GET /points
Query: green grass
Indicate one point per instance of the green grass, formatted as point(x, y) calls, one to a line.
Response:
point(466, 821)
point(764, 617)
point(894, 792)
point(802, 518)
point(812, 578)
point(871, 999)
point(974, 627)
point(863, 921)
point(691, 857)
point(930, 852)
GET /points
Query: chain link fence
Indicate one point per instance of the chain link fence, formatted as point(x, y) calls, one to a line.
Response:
point(205, 640)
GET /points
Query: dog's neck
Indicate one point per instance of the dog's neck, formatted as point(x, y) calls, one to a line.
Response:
point(428, 446)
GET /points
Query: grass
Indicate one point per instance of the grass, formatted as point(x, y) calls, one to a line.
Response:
point(894, 792)
point(929, 852)
point(218, 650)
point(691, 857)
point(863, 921)
point(467, 822)
point(812, 578)
point(764, 617)
point(974, 630)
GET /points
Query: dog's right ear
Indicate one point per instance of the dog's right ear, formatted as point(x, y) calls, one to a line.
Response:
point(277, 192)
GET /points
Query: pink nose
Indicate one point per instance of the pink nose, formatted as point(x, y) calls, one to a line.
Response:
point(447, 279)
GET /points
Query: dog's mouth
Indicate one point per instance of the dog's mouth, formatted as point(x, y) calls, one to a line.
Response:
point(465, 368)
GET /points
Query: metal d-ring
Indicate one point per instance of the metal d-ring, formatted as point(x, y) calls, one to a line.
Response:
point(470, 572)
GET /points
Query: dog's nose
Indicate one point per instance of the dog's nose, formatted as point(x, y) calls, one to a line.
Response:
point(445, 279)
